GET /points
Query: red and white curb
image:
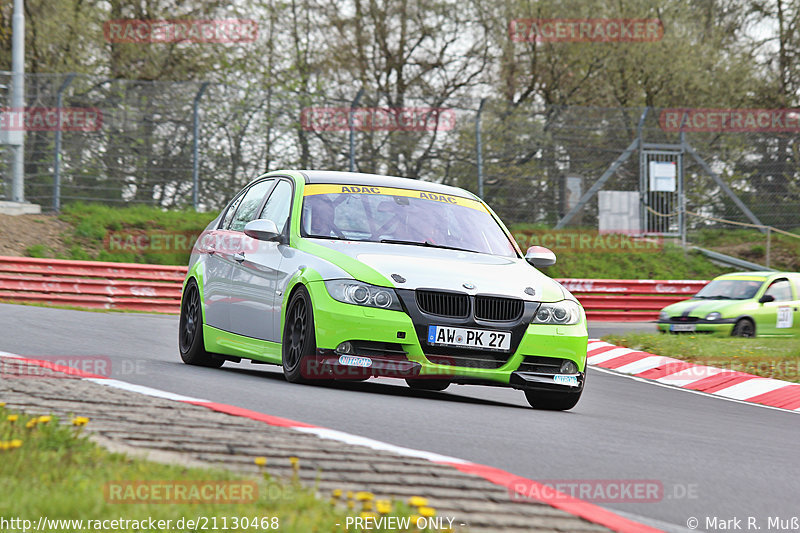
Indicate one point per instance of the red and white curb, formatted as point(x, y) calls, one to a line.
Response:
point(729, 384)
point(525, 487)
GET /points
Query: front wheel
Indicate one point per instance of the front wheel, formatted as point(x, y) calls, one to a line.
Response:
point(190, 331)
point(744, 328)
point(299, 341)
point(552, 401)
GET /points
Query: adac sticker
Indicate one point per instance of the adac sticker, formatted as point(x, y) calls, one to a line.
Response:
point(351, 360)
point(572, 381)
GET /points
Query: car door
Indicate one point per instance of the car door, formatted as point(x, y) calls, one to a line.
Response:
point(228, 244)
point(255, 273)
point(217, 270)
point(776, 317)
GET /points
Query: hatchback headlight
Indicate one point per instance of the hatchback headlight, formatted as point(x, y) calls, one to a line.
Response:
point(713, 316)
point(663, 315)
point(564, 313)
point(359, 293)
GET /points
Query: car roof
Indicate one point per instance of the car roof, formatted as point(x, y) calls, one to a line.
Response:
point(757, 275)
point(358, 178)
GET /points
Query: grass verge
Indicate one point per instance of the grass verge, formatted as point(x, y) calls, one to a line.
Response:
point(54, 471)
point(777, 358)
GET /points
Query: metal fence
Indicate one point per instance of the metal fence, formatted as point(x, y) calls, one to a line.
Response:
point(155, 139)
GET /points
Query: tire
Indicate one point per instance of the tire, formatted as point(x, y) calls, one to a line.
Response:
point(552, 401)
point(428, 384)
point(299, 341)
point(744, 328)
point(190, 331)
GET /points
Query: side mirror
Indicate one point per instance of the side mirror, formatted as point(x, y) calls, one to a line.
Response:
point(263, 230)
point(539, 256)
point(766, 299)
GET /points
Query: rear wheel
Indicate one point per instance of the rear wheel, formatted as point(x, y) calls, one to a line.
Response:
point(299, 342)
point(744, 328)
point(552, 401)
point(190, 331)
point(428, 384)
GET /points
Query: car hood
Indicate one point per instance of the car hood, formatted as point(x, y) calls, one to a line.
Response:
point(437, 268)
point(701, 307)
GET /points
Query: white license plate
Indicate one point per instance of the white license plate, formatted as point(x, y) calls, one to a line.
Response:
point(469, 338)
point(682, 327)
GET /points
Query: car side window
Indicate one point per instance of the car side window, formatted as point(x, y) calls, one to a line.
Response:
point(251, 200)
point(226, 222)
point(781, 290)
point(277, 207)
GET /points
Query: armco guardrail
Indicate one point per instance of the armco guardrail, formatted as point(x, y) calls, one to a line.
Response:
point(157, 288)
point(629, 300)
point(92, 284)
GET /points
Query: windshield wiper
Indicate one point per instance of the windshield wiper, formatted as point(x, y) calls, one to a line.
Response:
point(718, 297)
point(427, 244)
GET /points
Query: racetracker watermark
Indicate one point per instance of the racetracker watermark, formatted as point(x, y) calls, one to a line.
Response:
point(588, 241)
point(377, 119)
point(601, 490)
point(61, 366)
point(595, 30)
point(84, 119)
point(168, 242)
point(730, 120)
point(142, 31)
point(178, 492)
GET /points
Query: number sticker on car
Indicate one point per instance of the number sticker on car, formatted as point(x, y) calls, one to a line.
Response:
point(469, 338)
point(682, 327)
point(785, 317)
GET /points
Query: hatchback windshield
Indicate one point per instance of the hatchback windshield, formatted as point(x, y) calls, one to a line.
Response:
point(730, 289)
point(401, 216)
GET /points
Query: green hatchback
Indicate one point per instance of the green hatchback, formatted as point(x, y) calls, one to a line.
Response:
point(744, 304)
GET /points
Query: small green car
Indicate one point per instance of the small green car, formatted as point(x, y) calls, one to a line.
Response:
point(744, 304)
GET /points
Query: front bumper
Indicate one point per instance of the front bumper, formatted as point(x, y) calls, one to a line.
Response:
point(722, 327)
point(531, 365)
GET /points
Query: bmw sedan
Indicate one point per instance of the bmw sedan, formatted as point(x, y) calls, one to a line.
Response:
point(348, 276)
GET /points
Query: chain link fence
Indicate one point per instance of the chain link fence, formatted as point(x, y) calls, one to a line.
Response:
point(538, 161)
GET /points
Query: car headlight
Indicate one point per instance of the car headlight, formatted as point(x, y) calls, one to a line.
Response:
point(359, 293)
point(564, 313)
point(713, 316)
point(663, 315)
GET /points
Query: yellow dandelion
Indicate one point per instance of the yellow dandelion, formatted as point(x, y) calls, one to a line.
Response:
point(364, 496)
point(16, 443)
point(2, 404)
point(337, 493)
point(415, 519)
point(427, 511)
point(383, 506)
point(295, 462)
point(417, 501)
point(3, 445)
point(12, 418)
point(349, 494)
point(368, 515)
point(44, 419)
point(260, 461)
point(350, 504)
point(80, 421)
point(366, 505)
point(31, 423)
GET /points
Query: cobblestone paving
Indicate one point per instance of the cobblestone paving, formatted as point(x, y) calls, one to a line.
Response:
point(197, 435)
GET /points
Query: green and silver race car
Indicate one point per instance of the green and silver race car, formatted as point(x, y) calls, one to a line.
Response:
point(745, 304)
point(347, 276)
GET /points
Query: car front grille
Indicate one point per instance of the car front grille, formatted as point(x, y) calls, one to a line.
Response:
point(498, 309)
point(682, 319)
point(447, 304)
point(545, 365)
point(477, 360)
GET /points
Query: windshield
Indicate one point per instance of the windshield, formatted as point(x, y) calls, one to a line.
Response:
point(401, 216)
point(730, 289)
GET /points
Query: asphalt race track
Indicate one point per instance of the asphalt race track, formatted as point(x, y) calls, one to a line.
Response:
point(714, 458)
